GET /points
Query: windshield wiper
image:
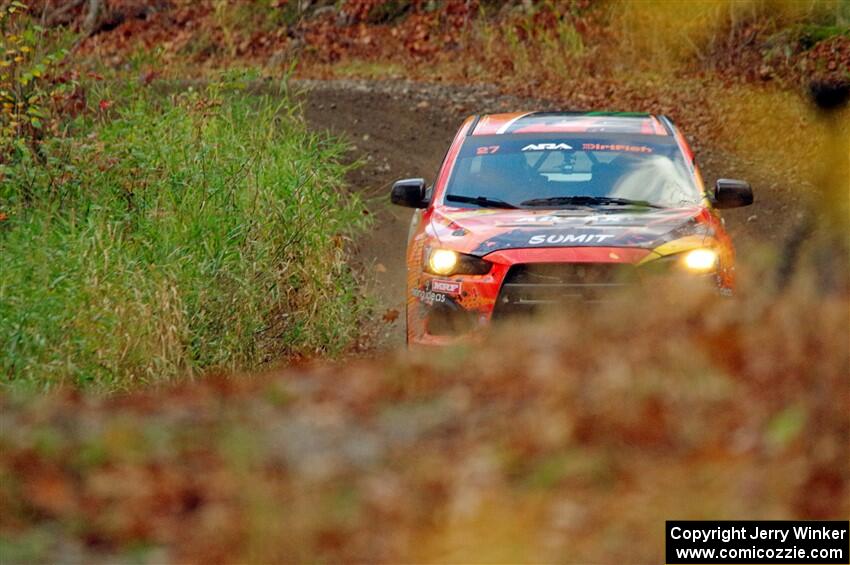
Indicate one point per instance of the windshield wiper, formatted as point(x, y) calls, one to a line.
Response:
point(483, 201)
point(587, 200)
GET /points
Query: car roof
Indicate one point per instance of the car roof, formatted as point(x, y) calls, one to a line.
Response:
point(571, 122)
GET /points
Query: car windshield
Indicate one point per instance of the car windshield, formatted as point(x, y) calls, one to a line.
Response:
point(565, 170)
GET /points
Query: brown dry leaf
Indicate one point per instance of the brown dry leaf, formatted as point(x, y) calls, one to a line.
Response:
point(390, 316)
point(50, 491)
point(380, 268)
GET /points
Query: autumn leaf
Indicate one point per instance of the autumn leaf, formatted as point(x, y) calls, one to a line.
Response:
point(390, 316)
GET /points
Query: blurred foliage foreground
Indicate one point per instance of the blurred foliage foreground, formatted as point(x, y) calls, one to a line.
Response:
point(570, 439)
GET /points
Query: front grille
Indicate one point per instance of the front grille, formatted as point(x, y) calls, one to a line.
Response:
point(446, 319)
point(529, 286)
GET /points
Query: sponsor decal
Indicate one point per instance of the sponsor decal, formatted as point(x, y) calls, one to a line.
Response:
point(616, 147)
point(551, 220)
point(578, 220)
point(557, 238)
point(428, 296)
point(547, 147)
point(446, 287)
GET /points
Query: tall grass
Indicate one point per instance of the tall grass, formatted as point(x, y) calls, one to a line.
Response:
point(670, 34)
point(172, 235)
point(537, 40)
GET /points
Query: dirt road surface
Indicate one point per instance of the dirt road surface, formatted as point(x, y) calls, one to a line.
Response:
point(401, 129)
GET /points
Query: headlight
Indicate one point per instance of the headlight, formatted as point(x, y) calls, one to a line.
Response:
point(700, 260)
point(446, 262)
point(443, 261)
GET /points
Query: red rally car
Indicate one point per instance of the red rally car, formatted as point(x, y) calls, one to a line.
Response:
point(541, 208)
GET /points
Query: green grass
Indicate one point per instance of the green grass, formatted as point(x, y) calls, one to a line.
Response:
point(169, 235)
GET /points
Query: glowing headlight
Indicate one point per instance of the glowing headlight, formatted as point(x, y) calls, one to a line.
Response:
point(700, 260)
point(442, 261)
point(446, 263)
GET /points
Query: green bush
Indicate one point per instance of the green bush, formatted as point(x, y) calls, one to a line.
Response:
point(170, 235)
point(28, 62)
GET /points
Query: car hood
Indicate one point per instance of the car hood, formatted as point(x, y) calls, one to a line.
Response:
point(482, 231)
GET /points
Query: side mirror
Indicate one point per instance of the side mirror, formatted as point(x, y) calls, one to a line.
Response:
point(731, 193)
point(409, 193)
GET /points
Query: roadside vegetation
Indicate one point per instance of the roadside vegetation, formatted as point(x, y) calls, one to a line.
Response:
point(147, 237)
point(521, 45)
point(730, 73)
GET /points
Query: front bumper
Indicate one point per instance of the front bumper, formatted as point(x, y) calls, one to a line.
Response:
point(442, 310)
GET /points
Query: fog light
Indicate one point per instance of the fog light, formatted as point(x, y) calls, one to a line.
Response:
point(442, 261)
point(700, 260)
